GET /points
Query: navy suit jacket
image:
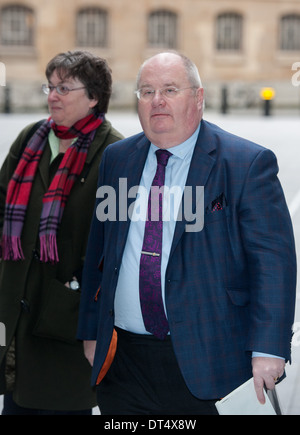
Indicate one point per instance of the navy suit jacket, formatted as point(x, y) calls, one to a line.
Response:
point(230, 288)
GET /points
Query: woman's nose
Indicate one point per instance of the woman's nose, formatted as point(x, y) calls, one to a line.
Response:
point(53, 94)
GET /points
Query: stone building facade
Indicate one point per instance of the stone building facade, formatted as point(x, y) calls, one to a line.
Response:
point(242, 45)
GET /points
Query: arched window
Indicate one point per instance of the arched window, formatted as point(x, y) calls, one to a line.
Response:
point(229, 32)
point(92, 28)
point(162, 29)
point(290, 33)
point(17, 26)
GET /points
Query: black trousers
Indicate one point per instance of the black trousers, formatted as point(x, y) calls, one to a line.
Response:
point(11, 408)
point(145, 379)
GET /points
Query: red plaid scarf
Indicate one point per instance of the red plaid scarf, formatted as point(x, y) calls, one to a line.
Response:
point(54, 201)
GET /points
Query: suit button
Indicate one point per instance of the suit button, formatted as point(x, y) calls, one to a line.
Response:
point(111, 313)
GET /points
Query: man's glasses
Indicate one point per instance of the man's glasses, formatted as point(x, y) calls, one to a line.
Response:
point(60, 89)
point(147, 94)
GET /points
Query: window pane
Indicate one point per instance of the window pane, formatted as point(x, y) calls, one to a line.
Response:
point(290, 33)
point(229, 32)
point(162, 29)
point(92, 28)
point(17, 26)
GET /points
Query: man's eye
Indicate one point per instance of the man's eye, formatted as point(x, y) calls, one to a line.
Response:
point(147, 92)
point(171, 91)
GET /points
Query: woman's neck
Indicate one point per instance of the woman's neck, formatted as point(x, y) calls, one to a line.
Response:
point(64, 145)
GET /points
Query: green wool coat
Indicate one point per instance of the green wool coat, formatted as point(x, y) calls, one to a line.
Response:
point(38, 310)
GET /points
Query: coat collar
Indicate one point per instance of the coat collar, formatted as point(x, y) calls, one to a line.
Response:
point(98, 142)
point(43, 168)
point(201, 161)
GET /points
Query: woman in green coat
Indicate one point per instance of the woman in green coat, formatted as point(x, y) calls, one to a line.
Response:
point(47, 195)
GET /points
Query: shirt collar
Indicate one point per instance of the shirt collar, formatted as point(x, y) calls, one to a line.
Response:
point(54, 144)
point(182, 150)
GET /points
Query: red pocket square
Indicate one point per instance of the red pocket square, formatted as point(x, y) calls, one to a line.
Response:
point(218, 204)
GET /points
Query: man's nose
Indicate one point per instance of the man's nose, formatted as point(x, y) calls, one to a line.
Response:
point(158, 98)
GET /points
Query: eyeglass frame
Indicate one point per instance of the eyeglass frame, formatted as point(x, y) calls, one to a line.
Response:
point(153, 92)
point(47, 89)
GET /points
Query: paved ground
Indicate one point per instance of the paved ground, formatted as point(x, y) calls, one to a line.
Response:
point(280, 133)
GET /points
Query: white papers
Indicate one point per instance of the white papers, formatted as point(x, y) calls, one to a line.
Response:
point(243, 401)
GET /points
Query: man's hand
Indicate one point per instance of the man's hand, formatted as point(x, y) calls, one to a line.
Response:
point(266, 372)
point(89, 351)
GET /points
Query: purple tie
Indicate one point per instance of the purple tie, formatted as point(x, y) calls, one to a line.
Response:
point(150, 266)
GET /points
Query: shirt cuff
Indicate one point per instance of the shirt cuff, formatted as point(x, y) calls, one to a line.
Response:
point(265, 355)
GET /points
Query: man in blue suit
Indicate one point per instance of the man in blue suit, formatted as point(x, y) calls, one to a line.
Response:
point(227, 275)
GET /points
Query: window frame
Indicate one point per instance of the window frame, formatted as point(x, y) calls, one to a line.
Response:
point(162, 31)
point(233, 23)
point(88, 36)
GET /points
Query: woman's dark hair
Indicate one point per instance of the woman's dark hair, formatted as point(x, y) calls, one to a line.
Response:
point(91, 70)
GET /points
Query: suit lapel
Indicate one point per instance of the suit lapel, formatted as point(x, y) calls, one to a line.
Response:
point(200, 169)
point(133, 170)
point(136, 162)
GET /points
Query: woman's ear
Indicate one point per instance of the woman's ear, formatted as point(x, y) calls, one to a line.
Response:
point(93, 103)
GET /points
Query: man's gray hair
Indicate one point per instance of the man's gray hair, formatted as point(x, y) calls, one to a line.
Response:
point(192, 71)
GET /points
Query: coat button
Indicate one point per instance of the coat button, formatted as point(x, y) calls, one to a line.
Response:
point(36, 255)
point(25, 306)
point(111, 313)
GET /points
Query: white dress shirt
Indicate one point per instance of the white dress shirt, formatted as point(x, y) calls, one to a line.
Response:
point(128, 313)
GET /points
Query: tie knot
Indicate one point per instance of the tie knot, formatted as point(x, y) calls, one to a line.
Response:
point(163, 157)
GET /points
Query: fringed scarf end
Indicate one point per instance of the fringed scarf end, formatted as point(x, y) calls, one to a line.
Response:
point(12, 249)
point(48, 246)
